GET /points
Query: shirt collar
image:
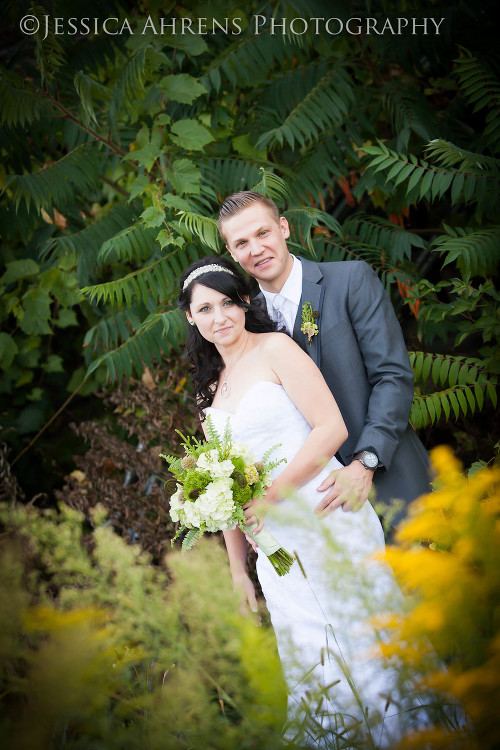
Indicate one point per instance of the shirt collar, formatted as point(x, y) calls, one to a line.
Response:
point(291, 289)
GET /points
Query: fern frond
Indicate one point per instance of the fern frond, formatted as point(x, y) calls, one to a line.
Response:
point(476, 252)
point(467, 381)
point(135, 74)
point(272, 186)
point(326, 161)
point(87, 89)
point(461, 400)
point(447, 368)
point(423, 181)
point(302, 223)
point(409, 111)
point(482, 88)
point(156, 281)
point(247, 61)
point(159, 334)
point(331, 250)
point(325, 105)
point(447, 154)
point(112, 329)
point(58, 182)
point(190, 539)
point(49, 52)
point(20, 104)
point(87, 241)
point(148, 282)
point(202, 227)
point(134, 243)
point(212, 434)
point(377, 232)
point(92, 236)
point(232, 174)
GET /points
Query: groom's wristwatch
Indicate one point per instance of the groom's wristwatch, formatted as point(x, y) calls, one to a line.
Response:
point(368, 459)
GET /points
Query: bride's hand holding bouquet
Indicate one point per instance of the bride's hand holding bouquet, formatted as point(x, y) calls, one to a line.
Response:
point(255, 511)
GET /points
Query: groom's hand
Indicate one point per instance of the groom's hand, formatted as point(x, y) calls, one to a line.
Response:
point(349, 488)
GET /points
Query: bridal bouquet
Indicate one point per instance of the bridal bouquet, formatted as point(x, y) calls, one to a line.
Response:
point(213, 481)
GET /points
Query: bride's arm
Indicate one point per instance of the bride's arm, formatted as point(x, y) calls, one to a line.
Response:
point(307, 389)
point(236, 545)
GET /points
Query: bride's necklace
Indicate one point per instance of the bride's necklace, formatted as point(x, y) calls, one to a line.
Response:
point(225, 387)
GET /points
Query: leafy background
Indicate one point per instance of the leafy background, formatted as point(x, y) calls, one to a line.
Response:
point(116, 152)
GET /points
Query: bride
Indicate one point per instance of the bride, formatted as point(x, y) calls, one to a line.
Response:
point(272, 393)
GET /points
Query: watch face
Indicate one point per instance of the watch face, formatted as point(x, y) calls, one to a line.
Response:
point(370, 460)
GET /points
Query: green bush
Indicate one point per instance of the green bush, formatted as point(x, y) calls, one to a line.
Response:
point(101, 649)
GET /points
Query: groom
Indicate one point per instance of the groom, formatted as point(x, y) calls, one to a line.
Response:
point(359, 348)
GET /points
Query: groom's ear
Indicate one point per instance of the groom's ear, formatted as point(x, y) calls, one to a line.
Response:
point(285, 229)
point(233, 256)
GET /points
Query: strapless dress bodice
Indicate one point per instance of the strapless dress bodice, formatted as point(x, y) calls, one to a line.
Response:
point(265, 417)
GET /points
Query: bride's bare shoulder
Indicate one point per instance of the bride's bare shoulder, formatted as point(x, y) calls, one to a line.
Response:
point(274, 340)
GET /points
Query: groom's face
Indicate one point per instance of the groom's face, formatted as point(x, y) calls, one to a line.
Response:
point(258, 243)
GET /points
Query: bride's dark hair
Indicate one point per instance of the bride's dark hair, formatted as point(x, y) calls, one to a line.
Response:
point(205, 359)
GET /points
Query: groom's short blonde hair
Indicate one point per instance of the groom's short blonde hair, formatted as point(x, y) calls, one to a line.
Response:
point(237, 202)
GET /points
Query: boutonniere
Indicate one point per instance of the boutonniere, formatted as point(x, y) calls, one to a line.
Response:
point(309, 327)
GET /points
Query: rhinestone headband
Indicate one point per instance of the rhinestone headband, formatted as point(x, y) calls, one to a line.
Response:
point(204, 269)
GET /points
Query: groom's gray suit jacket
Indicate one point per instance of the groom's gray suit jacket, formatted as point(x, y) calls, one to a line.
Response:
point(361, 352)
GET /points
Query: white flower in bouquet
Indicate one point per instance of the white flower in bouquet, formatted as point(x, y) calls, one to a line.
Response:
point(211, 463)
point(216, 502)
point(237, 450)
point(177, 504)
point(192, 515)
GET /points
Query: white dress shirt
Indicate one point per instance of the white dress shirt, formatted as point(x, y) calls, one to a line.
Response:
point(282, 307)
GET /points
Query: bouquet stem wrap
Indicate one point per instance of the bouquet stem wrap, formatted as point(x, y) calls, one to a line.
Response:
point(280, 559)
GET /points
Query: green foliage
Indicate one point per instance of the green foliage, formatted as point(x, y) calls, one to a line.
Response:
point(202, 227)
point(467, 385)
point(472, 310)
point(482, 89)
point(302, 223)
point(475, 252)
point(159, 333)
point(20, 104)
point(327, 97)
point(272, 186)
point(409, 111)
point(93, 235)
point(56, 183)
point(149, 666)
point(147, 280)
point(423, 181)
point(391, 239)
point(190, 539)
point(247, 61)
point(40, 299)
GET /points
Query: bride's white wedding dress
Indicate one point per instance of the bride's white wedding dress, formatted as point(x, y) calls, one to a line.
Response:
point(319, 609)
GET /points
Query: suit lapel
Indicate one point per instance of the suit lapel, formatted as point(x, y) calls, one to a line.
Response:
point(312, 292)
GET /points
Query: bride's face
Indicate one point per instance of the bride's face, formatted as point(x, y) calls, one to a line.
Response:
point(217, 317)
